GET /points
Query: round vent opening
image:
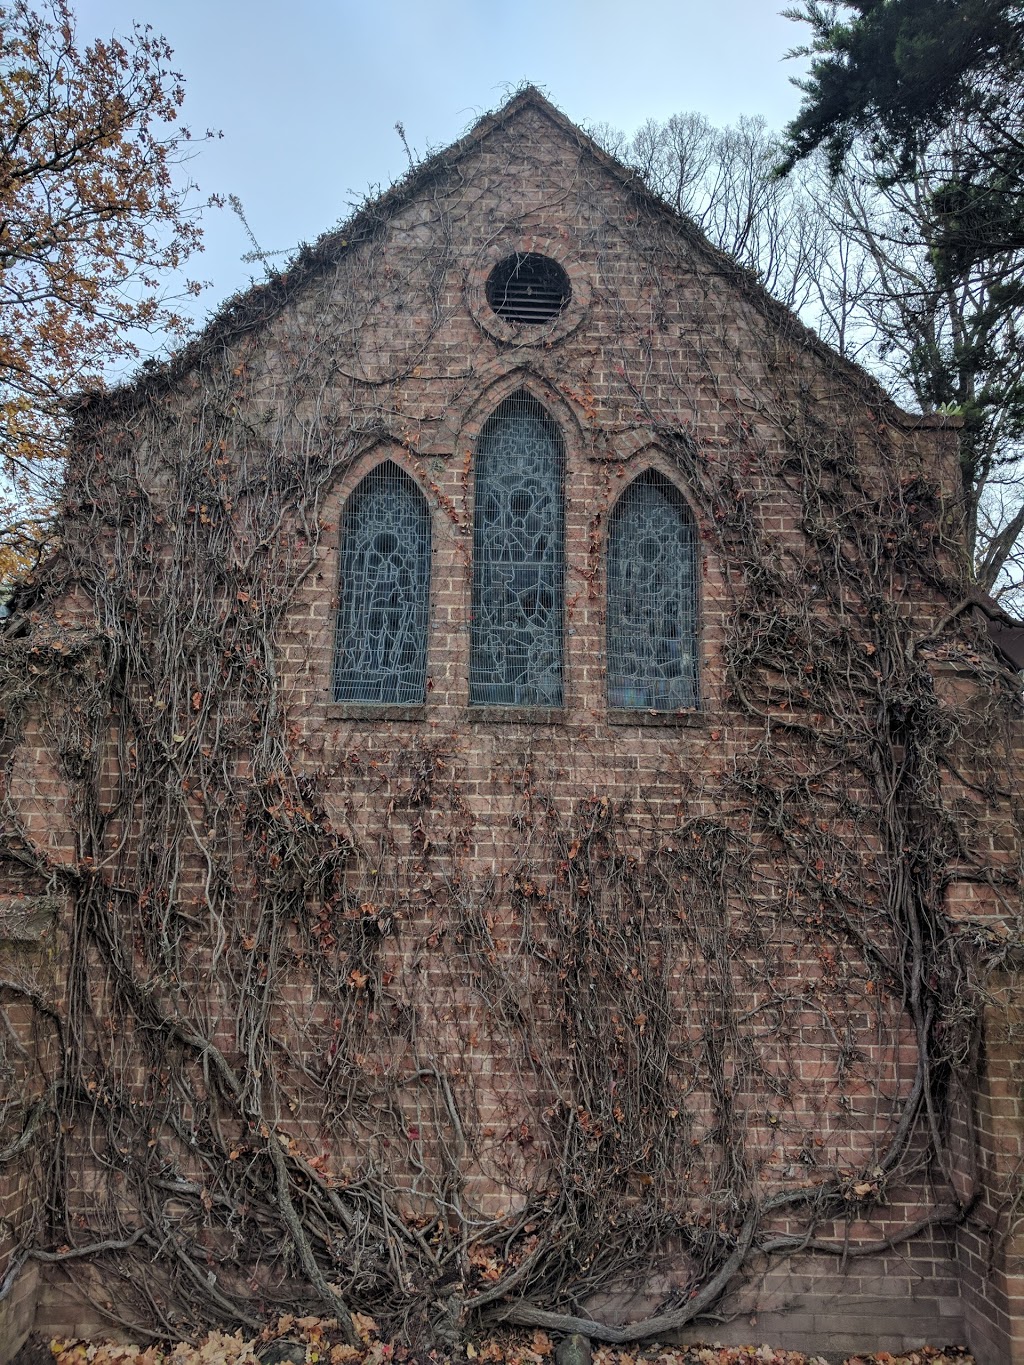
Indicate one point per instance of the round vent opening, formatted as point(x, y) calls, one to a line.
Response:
point(530, 289)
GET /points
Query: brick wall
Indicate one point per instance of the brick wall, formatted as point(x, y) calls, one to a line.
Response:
point(719, 877)
point(988, 1248)
point(28, 943)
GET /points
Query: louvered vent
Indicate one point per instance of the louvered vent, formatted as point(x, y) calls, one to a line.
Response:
point(529, 289)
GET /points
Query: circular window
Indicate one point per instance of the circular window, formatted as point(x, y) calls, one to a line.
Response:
point(528, 288)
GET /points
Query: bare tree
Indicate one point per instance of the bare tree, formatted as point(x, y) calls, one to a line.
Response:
point(868, 260)
point(940, 328)
point(718, 177)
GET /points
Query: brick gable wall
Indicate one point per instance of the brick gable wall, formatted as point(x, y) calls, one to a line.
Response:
point(491, 973)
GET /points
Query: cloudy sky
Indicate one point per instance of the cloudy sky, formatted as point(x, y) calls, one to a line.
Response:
point(307, 92)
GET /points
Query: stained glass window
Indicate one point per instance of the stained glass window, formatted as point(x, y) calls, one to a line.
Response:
point(518, 559)
point(652, 598)
point(381, 647)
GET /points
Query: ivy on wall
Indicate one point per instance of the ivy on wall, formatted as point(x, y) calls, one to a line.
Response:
point(712, 1039)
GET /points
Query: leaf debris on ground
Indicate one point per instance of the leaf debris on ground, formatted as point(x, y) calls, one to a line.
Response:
point(321, 1340)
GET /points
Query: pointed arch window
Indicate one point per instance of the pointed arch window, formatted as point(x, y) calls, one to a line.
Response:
point(518, 558)
point(652, 598)
point(383, 604)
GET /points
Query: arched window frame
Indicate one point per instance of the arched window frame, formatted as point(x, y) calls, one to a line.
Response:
point(361, 673)
point(501, 635)
point(669, 685)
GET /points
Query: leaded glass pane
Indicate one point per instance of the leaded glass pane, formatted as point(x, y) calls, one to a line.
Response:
point(518, 559)
point(652, 599)
point(381, 648)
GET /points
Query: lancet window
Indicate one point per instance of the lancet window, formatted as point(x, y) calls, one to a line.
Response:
point(518, 558)
point(652, 598)
point(383, 605)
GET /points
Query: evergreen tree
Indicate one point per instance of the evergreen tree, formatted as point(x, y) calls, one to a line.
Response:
point(918, 106)
point(900, 74)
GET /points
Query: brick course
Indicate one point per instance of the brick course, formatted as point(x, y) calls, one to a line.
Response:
point(461, 849)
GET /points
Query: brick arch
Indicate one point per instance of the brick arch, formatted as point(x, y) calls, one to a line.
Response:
point(380, 452)
point(647, 457)
point(528, 380)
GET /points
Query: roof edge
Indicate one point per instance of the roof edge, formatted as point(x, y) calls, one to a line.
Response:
point(251, 308)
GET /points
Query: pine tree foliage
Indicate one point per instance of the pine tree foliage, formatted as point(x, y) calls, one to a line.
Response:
point(918, 106)
point(893, 223)
point(899, 72)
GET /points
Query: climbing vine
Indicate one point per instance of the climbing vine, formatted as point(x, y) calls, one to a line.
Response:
point(449, 1027)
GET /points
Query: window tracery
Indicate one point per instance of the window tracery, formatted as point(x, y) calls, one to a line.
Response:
point(383, 605)
point(518, 559)
point(652, 598)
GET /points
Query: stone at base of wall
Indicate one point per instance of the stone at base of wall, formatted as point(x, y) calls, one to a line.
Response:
point(838, 1330)
point(18, 1312)
point(812, 1314)
point(817, 1304)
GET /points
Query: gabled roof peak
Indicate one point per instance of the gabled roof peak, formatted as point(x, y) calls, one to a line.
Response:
point(262, 301)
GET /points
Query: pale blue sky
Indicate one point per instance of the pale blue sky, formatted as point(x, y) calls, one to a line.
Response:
point(307, 93)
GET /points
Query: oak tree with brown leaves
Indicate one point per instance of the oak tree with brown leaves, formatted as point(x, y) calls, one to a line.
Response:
point(93, 218)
